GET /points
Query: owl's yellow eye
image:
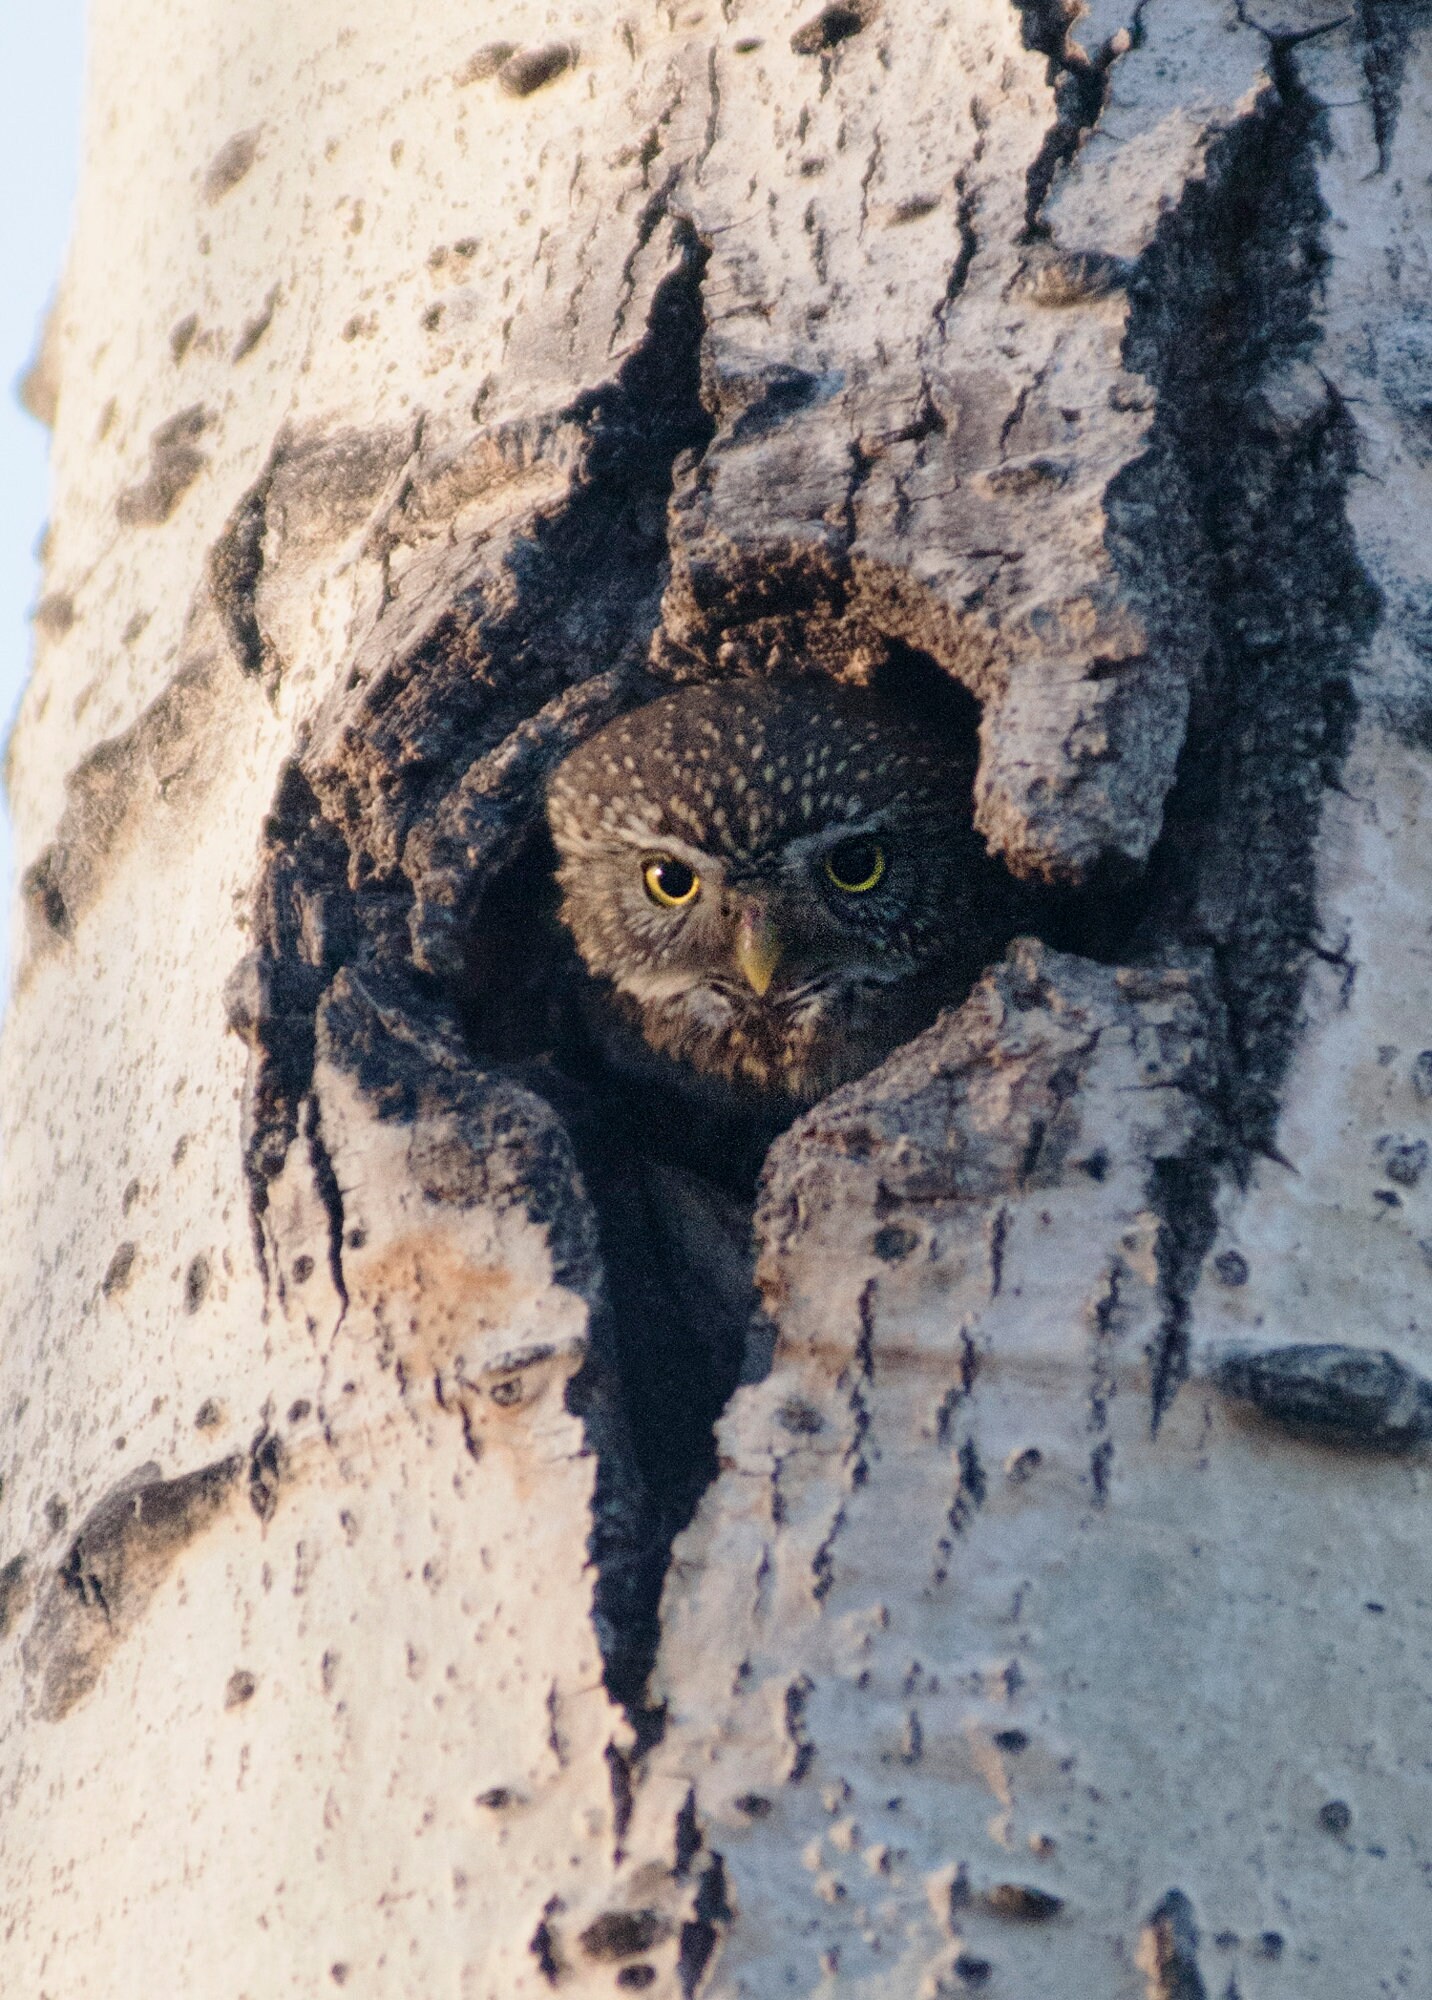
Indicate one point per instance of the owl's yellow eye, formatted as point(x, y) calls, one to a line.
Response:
point(670, 882)
point(856, 865)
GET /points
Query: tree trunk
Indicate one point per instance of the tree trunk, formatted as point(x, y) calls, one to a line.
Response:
point(1041, 1615)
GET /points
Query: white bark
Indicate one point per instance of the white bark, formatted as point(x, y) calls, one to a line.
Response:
point(1051, 1622)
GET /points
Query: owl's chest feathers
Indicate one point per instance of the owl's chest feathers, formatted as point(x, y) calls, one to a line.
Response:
point(800, 1045)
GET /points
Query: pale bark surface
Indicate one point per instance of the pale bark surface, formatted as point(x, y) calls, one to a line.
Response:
point(1049, 1615)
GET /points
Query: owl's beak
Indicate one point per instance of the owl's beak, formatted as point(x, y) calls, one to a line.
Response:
point(758, 950)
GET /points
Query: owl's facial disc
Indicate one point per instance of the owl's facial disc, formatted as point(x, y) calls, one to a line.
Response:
point(776, 934)
point(763, 873)
point(672, 883)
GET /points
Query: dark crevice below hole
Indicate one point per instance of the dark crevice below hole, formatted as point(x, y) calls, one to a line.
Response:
point(677, 1293)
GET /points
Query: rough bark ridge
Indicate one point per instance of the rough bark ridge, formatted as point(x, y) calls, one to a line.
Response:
point(949, 1627)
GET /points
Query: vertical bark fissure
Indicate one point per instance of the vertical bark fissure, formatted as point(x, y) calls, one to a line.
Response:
point(1224, 323)
point(329, 1193)
point(235, 567)
point(1081, 87)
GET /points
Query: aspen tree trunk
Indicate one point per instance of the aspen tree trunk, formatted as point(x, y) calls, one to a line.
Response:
point(1050, 1612)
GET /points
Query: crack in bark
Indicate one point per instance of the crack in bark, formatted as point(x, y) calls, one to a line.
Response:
point(1103, 1380)
point(998, 1234)
point(872, 167)
point(265, 1472)
point(713, 112)
point(1168, 1951)
point(543, 1944)
point(816, 233)
point(959, 1390)
point(554, 1737)
point(335, 894)
point(711, 1914)
point(235, 568)
point(856, 1463)
point(966, 207)
point(1081, 89)
point(325, 1181)
point(1387, 27)
point(620, 1786)
point(687, 1840)
point(653, 213)
point(802, 1750)
point(971, 1491)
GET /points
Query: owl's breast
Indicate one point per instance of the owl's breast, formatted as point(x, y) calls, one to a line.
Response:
point(790, 1047)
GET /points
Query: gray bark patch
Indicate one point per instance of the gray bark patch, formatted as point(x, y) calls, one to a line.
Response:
point(240, 1688)
point(175, 462)
point(619, 1934)
point(230, 164)
point(114, 1565)
point(169, 752)
point(15, 1584)
point(1331, 1393)
point(117, 1273)
point(526, 70)
point(1021, 1901)
point(832, 26)
point(256, 327)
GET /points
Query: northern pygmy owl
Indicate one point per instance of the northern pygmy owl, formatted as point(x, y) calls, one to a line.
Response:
point(774, 883)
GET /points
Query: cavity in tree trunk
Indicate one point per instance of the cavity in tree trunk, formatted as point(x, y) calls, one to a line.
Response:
point(422, 1572)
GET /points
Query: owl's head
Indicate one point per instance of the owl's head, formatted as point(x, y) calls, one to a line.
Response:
point(745, 861)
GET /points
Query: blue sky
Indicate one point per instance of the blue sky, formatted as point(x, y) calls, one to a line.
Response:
point(41, 58)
